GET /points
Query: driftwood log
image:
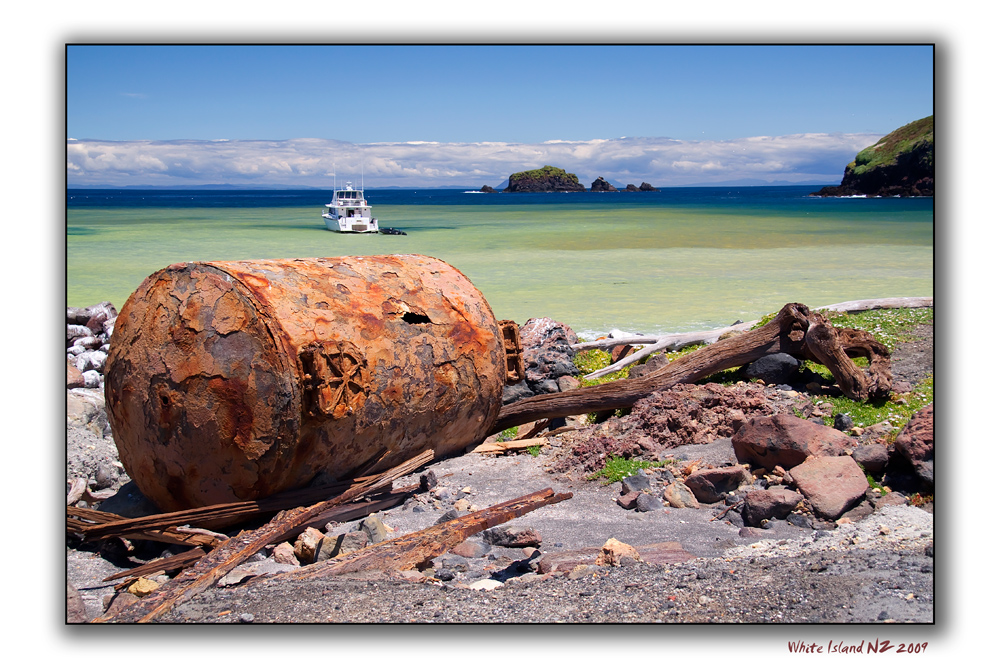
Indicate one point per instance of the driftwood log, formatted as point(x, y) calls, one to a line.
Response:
point(794, 330)
point(652, 344)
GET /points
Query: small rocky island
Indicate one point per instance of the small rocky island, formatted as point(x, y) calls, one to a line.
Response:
point(546, 179)
point(644, 188)
point(901, 164)
point(602, 186)
point(553, 179)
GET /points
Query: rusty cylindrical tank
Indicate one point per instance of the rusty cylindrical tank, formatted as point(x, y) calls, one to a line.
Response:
point(231, 381)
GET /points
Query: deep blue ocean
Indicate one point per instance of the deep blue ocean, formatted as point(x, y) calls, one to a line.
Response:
point(778, 198)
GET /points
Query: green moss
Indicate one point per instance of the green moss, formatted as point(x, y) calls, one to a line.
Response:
point(617, 469)
point(896, 411)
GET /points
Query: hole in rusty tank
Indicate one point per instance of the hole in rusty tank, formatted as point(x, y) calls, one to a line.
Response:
point(416, 319)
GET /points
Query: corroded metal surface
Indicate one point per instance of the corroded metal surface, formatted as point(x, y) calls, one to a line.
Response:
point(231, 381)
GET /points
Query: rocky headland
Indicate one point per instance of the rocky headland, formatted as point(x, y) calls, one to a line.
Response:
point(901, 164)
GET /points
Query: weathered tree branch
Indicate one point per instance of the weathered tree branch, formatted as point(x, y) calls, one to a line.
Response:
point(655, 344)
point(787, 332)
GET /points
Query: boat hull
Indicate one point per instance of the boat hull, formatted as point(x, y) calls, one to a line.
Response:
point(351, 225)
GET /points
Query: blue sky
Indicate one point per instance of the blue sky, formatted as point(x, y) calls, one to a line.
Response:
point(155, 114)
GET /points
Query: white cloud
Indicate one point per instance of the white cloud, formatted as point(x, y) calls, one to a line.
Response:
point(807, 158)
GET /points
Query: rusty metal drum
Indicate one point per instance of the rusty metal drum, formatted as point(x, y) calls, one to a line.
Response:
point(231, 381)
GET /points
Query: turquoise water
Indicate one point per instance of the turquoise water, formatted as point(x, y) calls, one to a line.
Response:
point(666, 263)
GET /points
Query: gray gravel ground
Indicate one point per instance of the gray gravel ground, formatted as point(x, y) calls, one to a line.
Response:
point(826, 579)
point(880, 569)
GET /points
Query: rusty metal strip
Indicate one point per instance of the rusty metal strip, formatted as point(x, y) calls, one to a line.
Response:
point(170, 563)
point(513, 354)
point(420, 547)
point(220, 561)
point(81, 521)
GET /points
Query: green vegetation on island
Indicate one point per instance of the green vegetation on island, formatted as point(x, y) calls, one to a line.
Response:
point(546, 179)
point(901, 164)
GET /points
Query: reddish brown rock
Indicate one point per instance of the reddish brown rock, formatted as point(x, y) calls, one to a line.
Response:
point(74, 377)
point(711, 485)
point(764, 504)
point(785, 440)
point(627, 501)
point(471, 549)
point(568, 560)
point(76, 611)
point(916, 443)
point(662, 554)
point(513, 536)
point(831, 484)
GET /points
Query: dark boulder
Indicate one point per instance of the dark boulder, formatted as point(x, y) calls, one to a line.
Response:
point(776, 369)
point(547, 353)
point(873, 457)
point(711, 485)
point(646, 188)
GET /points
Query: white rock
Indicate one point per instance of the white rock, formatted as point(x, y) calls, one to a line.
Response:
point(486, 585)
point(91, 379)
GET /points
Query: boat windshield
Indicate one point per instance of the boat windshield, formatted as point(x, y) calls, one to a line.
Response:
point(349, 194)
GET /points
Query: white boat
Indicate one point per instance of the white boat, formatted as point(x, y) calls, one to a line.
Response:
point(348, 211)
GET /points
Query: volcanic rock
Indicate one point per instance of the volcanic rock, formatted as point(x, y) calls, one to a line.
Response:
point(916, 443)
point(614, 552)
point(602, 186)
point(547, 352)
point(711, 485)
point(831, 484)
point(872, 456)
point(679, 495)
point(764, 504)
point(512, 536)
point(785, 440)
point(773, 369)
